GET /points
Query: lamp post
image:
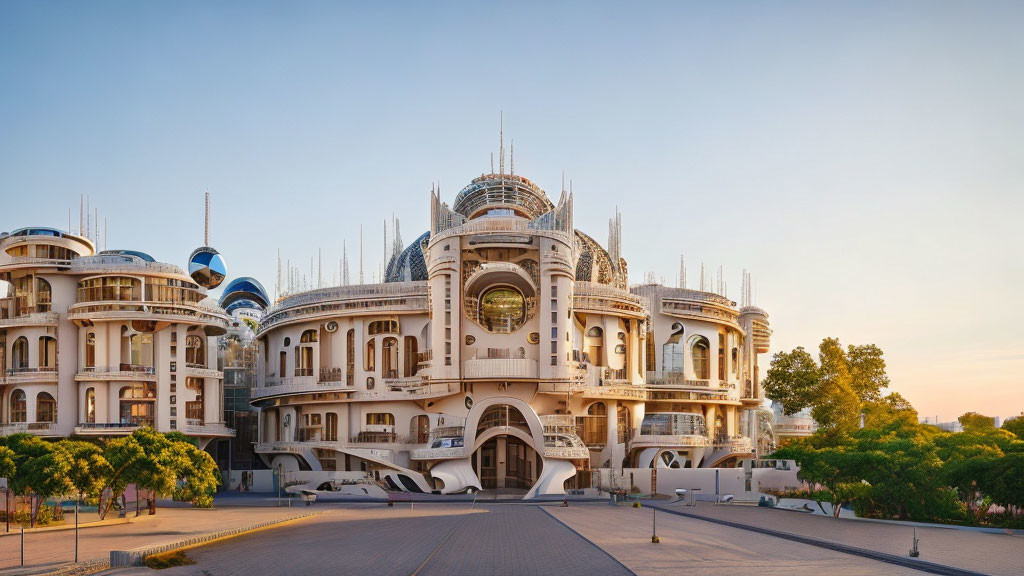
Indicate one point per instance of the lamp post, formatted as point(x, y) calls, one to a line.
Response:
point(654, 526)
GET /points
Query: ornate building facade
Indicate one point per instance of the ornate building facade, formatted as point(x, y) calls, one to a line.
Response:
point(506, 349)
point(99, 344)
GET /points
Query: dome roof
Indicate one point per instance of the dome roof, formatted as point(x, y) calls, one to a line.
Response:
point(410, 265)
point(244, 289)
point(594, 264)
point(142, 255)
point(502, 191)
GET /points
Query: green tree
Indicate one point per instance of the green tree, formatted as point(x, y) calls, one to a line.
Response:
point(867, 371)
point(974, 422)
point(196, 472)
point(892, 408)
point(837, 407)
point(31, 455)
point(7, 466)
point(1015, 426)
point(792, 380)
point(88, 468)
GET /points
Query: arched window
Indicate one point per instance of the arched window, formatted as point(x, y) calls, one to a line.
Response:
point(594, 346)
point(350, 358)
point(19, 407)
point(721, 356)
point(370, 361)
point(47, 353)
point(19, 354)
point(502, 415)
point(195, 351)
point(625, 424)
point(90, 350)
point(44, 296)
point(672, 351)
point(699, 351)
point(90, 406)
point(383, 327)
point(304, 353)
point(389, 357)
point(309, 336)
point(46, 408)
point(593, 428)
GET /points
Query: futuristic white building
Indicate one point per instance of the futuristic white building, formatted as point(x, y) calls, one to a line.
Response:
point(100, 344)
point(506, 349)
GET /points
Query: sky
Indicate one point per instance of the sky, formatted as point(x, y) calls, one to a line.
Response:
point(863, 160)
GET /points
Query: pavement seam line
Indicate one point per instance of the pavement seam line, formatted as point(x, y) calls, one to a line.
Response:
point(440, 544)
point(921, 565)
point(587, 540)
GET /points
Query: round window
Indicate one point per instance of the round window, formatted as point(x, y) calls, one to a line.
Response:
point(502, 308)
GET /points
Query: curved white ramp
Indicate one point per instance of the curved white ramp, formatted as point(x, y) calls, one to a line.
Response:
point(457, 475)
point(552, 478)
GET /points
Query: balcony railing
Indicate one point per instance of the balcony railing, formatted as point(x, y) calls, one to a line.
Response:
point(120, 372)
point(33, 319)
point(20, 375)
point(107, 428)
point(35, 428)
point(196, 427)
point(499, 368)
point(331, 375)
point(669, 440)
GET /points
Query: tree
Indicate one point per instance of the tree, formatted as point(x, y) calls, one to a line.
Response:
point(837, 406)
point(974, 422)
point(7, 466)
point(1015, 426)
point(867, 371)
point(792, 380)
point(88, 468)
point(197, 474)
point(32, 478)
point(890, 409)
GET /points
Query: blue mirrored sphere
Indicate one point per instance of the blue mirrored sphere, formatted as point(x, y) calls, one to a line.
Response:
point(206, 266)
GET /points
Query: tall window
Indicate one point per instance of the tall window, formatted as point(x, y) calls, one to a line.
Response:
point(350, 358)
point(47, 353)
point(19, 354)
point(43, 295)
point(594, 342)
point(410, 352)
point(195, 351)
point(90, 406)
point(721, 356)
point(331, 428)
point(283, 368)
point(19, 407)
point(370, 362)
point(46, 408)
point(389, 357)
point(137, 404)
point(380, 419)
point(701, 361)
point(90, 350)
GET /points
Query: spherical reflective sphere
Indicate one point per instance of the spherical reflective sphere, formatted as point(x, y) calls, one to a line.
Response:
point(206, 266)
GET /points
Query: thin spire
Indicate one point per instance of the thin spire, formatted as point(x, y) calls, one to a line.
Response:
point(682, 271)
point(492, 170)
point(81, 217)
point(206, 225)
point(319, 268)
point(344, 264)
point(512, 158)
point(104, 232)
point(501, 142)
point(360, 253)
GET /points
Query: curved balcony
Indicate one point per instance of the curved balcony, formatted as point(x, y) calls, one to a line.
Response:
point(565, 447)
point(439, 453)
point(678, 380)
point(189, 313)
point(603, 299)
point(484, 225)
point(708, 311)
point(496, 368)
point(355, 300)
point(669, 441)
point(30, 375)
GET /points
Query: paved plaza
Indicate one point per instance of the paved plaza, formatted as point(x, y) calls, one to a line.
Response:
point(519, 538)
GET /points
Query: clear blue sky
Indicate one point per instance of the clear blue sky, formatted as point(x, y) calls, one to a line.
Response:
point(864, 160)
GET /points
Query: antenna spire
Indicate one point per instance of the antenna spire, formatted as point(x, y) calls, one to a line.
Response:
point(512, 158)
point(206, 227)
point(501, 142)
point(360, 253)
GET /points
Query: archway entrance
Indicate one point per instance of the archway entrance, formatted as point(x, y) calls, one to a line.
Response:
point(506, 461)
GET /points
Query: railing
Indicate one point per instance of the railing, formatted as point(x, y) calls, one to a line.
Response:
point(699, 311)
point(194, 427)
point(567, 452)
point(16, 375)
point(734, 443)
point(331, 375)
point(122, 372)
point(682, 440)
point(93, 427)
point(496, 225)
point(499, 368)
point(202, 372)
point(448, 432)
point(395, 383)
point(31, 319)
point(603, 298)
point(121, 263)
point(35, 428)
point(370, 437)
point(149, 310)
point(679, 380)
point(438, 453)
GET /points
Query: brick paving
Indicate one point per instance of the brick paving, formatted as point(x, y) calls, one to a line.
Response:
point(698, 547)
point(997, 554)
point(433, 539)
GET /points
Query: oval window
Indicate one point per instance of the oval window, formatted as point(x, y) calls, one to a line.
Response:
point(502, 309)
